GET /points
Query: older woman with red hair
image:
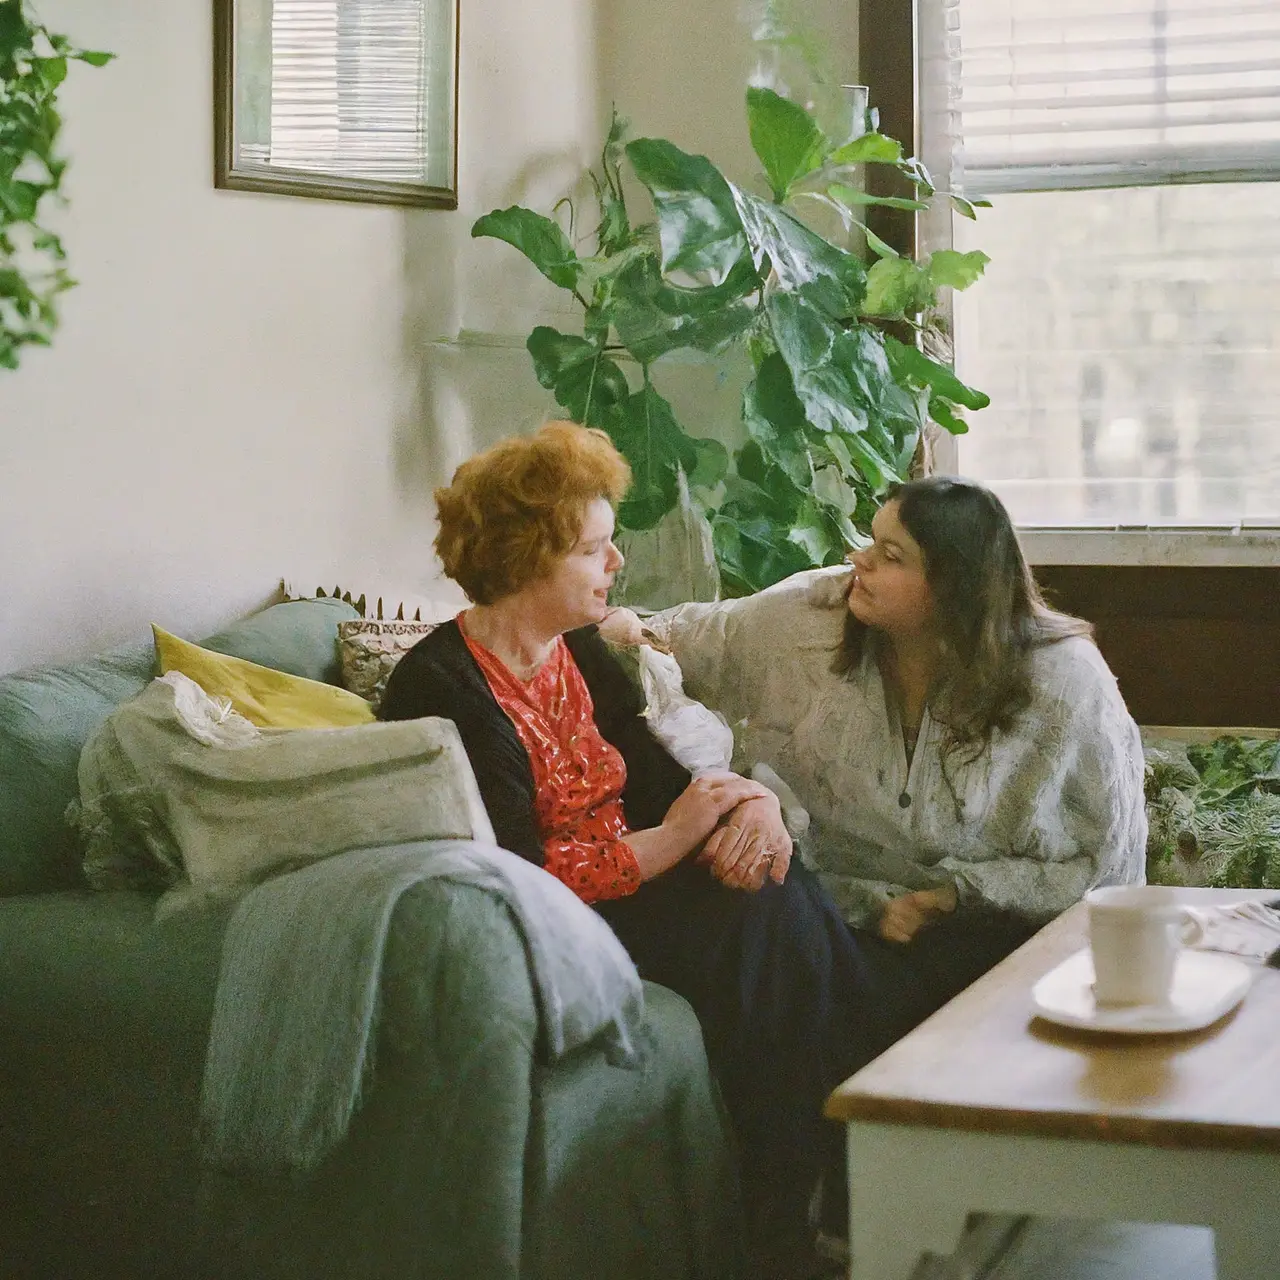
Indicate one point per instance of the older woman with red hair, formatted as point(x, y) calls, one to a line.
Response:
point(574, 781)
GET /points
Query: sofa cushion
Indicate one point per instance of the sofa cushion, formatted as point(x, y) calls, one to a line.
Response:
point(266, 697)
point(369, 649)
point(46, 716)
point(298, 637)
point(48, 713)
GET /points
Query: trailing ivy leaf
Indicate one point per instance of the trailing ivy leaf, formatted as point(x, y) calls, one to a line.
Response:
point(800, 257)
point(698, 225)
point(20, 199)
point(785, 137)
point(585, 381)
point(955, 270)
point(53, 71)
point(652, 441)
point(896, 287)
point(937, 377)
point(853, 197)
point(540, 239)
point(653, 316)
point(871, 148)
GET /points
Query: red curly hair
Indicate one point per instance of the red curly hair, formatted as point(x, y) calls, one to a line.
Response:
point(518, 506)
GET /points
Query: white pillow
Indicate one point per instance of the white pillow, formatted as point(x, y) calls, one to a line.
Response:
point(160, 803)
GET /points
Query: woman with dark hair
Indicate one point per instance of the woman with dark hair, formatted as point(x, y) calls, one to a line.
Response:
point(693, 875)
point(968, 762)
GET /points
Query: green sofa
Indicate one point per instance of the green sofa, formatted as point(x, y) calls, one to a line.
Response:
point(469, 1156)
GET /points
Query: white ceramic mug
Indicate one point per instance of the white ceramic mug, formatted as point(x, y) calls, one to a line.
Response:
point(1135, 934)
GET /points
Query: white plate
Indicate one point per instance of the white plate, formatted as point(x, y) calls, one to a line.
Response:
point(1205, 986)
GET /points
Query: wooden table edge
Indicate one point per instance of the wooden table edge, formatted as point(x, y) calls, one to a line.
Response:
point(848, 1106)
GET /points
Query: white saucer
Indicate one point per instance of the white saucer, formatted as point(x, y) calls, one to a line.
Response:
point(1205, 986)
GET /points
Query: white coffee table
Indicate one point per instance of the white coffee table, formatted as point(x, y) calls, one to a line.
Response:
point(986, 1108)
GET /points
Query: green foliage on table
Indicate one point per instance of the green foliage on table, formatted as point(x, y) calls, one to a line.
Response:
point(1214, 812)
point(836, 406)
point(33, 64)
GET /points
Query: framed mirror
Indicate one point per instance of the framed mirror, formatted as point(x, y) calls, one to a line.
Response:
point(338, 99)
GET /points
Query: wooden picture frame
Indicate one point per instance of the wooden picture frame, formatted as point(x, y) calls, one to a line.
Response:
point(257, 146)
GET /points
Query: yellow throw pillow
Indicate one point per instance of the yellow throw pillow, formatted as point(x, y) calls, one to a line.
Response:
point(270, 699)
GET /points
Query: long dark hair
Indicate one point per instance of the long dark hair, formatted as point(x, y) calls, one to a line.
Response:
point(989, 610)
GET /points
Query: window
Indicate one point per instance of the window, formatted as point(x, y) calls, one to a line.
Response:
point(1128, 330)
point(353, 98)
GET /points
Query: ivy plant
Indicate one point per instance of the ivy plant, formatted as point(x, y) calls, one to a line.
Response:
point(840, 389)
point(33, 64)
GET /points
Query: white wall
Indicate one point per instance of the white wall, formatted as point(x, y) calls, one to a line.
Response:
point(248, 387)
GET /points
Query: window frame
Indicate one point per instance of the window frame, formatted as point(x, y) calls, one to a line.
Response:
point(230, 175)
point(889, 63)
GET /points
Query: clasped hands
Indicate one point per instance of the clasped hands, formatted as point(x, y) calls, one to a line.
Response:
point(739, 827)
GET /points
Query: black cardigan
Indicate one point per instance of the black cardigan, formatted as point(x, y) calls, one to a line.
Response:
point(439, 677)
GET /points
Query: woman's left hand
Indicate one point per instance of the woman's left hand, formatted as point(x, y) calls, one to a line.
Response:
point(904, 917)
point(750, 844)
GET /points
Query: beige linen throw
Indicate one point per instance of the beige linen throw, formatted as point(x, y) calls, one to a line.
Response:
point(175, 786)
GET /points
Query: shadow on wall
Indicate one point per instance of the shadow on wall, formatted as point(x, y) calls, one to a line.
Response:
point(468, 307)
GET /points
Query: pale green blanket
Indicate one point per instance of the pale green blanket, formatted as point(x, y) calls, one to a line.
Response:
point(293, 1026)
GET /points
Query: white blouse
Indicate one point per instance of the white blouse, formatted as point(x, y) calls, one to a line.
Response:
point(1051, 808)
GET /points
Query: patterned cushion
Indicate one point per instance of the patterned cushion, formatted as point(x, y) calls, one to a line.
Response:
point(369, 649)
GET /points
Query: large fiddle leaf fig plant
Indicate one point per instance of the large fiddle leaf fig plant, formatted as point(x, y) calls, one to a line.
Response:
point(33, 64)
point(841, 389)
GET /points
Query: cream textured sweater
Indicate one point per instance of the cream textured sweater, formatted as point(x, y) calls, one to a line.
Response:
point(1051, 808)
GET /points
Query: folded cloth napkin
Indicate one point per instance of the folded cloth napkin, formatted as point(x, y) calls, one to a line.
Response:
point(1249, 929)
point(283, 1076)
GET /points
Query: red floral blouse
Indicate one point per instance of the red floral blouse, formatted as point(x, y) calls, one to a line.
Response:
point(578, 776)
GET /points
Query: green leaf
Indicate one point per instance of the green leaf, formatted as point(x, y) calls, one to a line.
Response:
point(19, 200)
point(712, 465)
point(775, 420)
point(878, 246)
point(540, 239)
point(698, 226)
point(897, 286)
point(941, 380)
point(53, 71)
point(871, 148)
point(955, 270)
point(915, 172)
point(652, 441)
point(785, 137)
point(853, 197)
point(800, 257)
point(842, 378)
point(946, 415)
point(964, 207)
point(585, 381)
point(94, 57)
point(653, 317)
point(822, 531)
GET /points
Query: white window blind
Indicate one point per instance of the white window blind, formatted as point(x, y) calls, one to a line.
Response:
point(1128, 323)
point(361, 89)
point(1090, 93)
